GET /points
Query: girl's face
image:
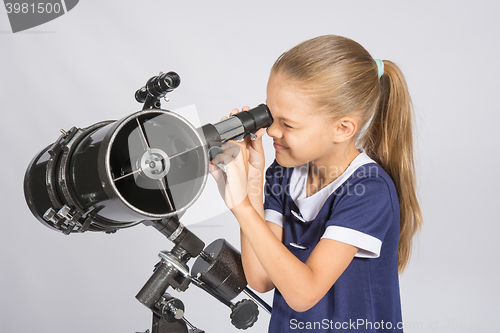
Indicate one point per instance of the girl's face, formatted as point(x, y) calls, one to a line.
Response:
point(301, 134)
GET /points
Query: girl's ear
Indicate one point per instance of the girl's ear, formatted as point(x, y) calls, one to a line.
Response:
point(344, 129)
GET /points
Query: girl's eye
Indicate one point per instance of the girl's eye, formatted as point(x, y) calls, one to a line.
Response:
point(287, 125)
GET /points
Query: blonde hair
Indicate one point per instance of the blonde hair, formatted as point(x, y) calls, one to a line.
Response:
point(342, 79)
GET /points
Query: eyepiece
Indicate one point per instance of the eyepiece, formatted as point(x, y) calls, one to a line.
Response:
point(158, 86)
point(261, 116)
point(171, 79)
point(255, 119)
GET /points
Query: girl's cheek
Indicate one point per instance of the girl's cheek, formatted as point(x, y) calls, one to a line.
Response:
point(289, 140)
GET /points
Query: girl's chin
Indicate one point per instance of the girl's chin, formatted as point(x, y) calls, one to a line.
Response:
point(285, 162)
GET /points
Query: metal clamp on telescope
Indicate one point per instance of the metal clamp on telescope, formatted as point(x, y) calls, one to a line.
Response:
point(148, 167)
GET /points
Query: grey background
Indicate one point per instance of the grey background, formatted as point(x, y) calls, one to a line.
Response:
point(85, 66)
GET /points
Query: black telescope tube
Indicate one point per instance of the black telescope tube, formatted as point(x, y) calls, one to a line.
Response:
point(236, 127)
point(255, 119)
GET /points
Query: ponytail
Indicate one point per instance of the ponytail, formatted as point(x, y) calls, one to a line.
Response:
point(389, 141)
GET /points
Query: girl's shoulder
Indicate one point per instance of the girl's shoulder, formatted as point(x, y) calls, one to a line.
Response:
point(368, 186)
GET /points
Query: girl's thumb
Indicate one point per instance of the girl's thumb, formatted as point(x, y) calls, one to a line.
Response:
point(257, 142)
point(259, 134)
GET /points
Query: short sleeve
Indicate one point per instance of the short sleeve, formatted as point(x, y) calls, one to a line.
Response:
point(274, 192)
point(362, 215)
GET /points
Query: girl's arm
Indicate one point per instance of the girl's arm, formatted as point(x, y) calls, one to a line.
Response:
point(257, 277)
point(301, 284)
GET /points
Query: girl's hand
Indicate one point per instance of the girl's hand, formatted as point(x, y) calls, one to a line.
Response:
point(256, 158)
point(245, 164)
point(232, 184)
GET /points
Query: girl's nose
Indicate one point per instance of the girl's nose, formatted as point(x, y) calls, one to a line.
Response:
point(274, 131)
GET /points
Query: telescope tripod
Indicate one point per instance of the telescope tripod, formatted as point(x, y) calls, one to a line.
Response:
point(217, 270)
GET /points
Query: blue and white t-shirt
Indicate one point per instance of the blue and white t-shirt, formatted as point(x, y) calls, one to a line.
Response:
point(359, 208)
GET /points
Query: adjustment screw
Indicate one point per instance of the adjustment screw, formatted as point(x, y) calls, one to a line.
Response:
point(65, 212)
point(50, 215)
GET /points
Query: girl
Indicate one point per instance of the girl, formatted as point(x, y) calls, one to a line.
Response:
point(340, 205)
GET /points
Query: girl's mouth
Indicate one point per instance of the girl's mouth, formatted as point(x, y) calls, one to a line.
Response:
point(279, 147)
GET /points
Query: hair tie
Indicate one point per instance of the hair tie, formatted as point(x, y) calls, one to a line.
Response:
point(380, 67)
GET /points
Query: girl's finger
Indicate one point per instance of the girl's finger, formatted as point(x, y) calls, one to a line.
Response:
point(233, 151)
point(257, 142)
point(223, 158)
point(230, 144)
point(237, 147)
point(245, 108)
point(216, 172)
point(220, 178)
point(233, 112)
point(260, 133)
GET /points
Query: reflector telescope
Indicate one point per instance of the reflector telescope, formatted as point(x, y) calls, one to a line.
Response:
point(152, 164)
point(148, 167)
